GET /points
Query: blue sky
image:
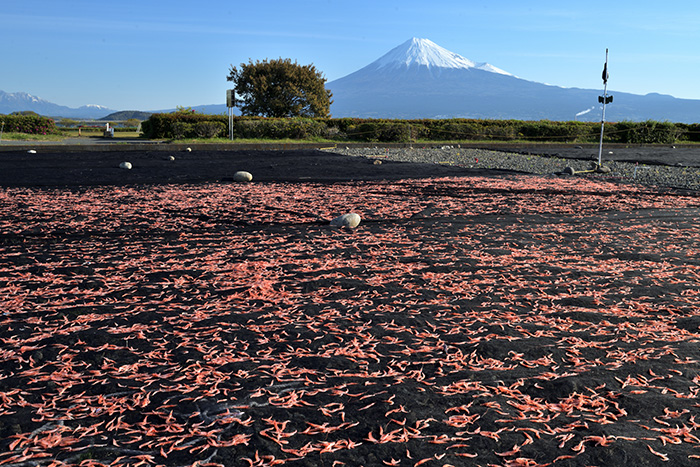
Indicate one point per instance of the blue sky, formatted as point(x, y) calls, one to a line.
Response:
point(152, 54)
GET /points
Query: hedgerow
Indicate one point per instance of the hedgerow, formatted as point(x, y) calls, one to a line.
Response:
point(204, 129)
point(386, 132)
point(279, 128)
point(182, 125)
point(170, 125)
point(689, 132)
point(648, 132)
point(30, 124)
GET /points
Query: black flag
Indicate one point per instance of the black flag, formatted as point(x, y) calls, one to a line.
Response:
point(605, 68)
point(605, 73)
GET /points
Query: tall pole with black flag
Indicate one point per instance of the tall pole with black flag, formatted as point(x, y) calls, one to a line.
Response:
point(604, 99)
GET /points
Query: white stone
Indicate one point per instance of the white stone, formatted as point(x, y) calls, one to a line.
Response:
point(350, 220)
point(31, 151)
point(125, 165)
point(242, 176)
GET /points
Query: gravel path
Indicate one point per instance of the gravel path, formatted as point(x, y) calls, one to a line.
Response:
point(659, 175)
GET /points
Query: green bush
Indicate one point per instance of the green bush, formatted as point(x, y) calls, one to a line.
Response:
point(249, 129)
point(381, 131)
point(545, 130)
point(296, 128)
point(342, 124)
point(161, 125)
point(154, 127)
point(395, 132)
point(279, 128)
point(648, 132)
point(206, 129)
point(457, 130)
point(181, 130)
point(29, 123)
point(689, 132)
point(209, 129)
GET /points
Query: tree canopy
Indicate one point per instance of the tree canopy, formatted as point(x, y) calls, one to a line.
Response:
point(280, 88)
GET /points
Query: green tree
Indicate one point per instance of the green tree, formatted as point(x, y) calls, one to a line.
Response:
point(280, 88)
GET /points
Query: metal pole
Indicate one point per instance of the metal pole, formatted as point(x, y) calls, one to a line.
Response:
point(604, 101)
point(2, 129)
point(230, 123)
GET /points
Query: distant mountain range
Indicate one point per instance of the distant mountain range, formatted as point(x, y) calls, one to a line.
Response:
point(21, 101)
point(420, 79)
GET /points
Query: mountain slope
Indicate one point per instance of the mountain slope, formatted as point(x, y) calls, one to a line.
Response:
point(126, 115)
point(420, 79)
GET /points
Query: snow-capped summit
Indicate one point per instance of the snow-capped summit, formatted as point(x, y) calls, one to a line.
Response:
point(21, 97)
point(424, 52)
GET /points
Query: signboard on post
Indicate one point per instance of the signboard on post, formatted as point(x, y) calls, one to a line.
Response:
point(230, 98)
point(230, 104)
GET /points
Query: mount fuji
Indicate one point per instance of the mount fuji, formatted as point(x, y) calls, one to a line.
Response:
point(420, 79)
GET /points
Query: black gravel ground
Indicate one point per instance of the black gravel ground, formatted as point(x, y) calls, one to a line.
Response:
point(649, 165)
point(661, 166)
